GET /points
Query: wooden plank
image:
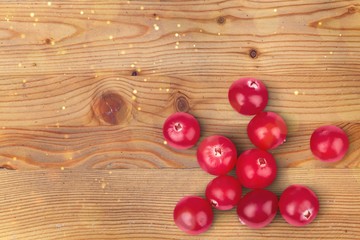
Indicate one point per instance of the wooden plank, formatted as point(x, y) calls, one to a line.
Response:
point(215, 37)
point(57, 121)
point(138, 204)
point(142, 147)
point(72, 100)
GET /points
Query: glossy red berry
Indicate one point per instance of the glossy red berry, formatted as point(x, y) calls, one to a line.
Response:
point(181, 130)
point(224, 192)
point(329, 143)
point(267, 130)
point(217, 155)
point(248, 96)
point(256, 168)
point(193, 215)
point(257, 208)
point(298, 205)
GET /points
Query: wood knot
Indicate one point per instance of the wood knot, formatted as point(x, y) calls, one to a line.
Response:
point(7, 167)
point(351, 10)
point(253, 53)
point(221, 20)
point(110, 108)
point(182, 104)
point(134, 73)
point(49, 41)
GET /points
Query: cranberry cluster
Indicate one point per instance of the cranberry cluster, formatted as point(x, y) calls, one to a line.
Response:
point(255, 168)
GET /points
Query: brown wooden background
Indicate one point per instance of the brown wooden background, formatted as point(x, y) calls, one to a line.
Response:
point(86, 85)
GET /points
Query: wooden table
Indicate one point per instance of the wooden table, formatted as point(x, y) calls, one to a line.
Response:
point(86, 85)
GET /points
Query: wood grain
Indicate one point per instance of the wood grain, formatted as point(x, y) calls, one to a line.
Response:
point(55, 121)
point(138, 204)
point(292, 38)
point(86, 85)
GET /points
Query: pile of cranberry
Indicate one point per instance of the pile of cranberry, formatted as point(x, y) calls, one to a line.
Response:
point(255, 168)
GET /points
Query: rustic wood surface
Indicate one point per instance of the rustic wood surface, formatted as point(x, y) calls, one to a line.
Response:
point(86, 85)
point(138, 203)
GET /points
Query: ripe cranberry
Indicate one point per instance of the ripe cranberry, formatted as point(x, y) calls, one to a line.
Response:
point(223, 192)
